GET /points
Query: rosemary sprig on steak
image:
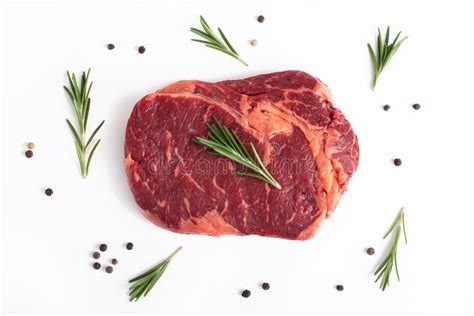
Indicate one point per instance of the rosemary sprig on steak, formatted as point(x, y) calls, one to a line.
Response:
point(385, 52)
point(385, 268)
point(79, 95)
point(143, 283)
point(211, 40)
point(224, 142)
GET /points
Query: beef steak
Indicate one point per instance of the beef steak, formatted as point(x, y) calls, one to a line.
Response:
point(305, 142)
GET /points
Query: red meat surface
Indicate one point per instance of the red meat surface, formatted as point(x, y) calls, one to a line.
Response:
point(305, 142)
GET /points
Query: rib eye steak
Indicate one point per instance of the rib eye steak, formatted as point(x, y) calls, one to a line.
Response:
point(290, 118)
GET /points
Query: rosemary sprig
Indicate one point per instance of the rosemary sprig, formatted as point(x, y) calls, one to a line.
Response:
point(211, 40)
point(142, 284)
point(385, 52)
point(79, 95)
point(225, 142)
point(385, 268)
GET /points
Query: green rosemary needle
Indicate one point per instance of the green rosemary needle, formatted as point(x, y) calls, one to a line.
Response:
point(385, 52)
point(224, 142)
point(79, 96)
point(142, 284)
point(386, 266)
point(211, 40)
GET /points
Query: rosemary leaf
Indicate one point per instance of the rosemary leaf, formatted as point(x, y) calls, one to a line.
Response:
point(86, 115)
point(226, 41)
point(90, 156)
point(91, 138)
point(77, 139)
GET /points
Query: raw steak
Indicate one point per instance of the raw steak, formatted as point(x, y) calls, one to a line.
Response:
point(306, 144)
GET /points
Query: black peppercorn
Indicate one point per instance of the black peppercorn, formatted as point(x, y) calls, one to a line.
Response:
point(265, 286)
point(114, 261)
point(397, 162)
point(141, 49)
point(103, 247)
point(386, 107)
point(29, 154)
point(109, 269)
point(246, 293)
point(339, 288)
point(48, 191)
point(416, 106)
point(129, 246)
point(260, 18)
point(370, 251)
point(96, 265)
point(110, 46)
point(96, 255)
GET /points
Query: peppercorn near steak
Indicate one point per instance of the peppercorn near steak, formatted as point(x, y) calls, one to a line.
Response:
point(304, 141)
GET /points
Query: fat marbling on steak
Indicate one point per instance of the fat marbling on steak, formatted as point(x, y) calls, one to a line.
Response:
point(305, 142)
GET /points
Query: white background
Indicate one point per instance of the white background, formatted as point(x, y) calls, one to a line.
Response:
point(48, 241)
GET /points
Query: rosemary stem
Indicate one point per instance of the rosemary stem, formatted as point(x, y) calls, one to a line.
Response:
point(374, 82)
point(384, 269)
point(83, 154)
point(175, 252)
point(226, 143)
point(243, 62)
point(211, 40)
point(383, 52)
point(142, 284)
point(79, 96)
